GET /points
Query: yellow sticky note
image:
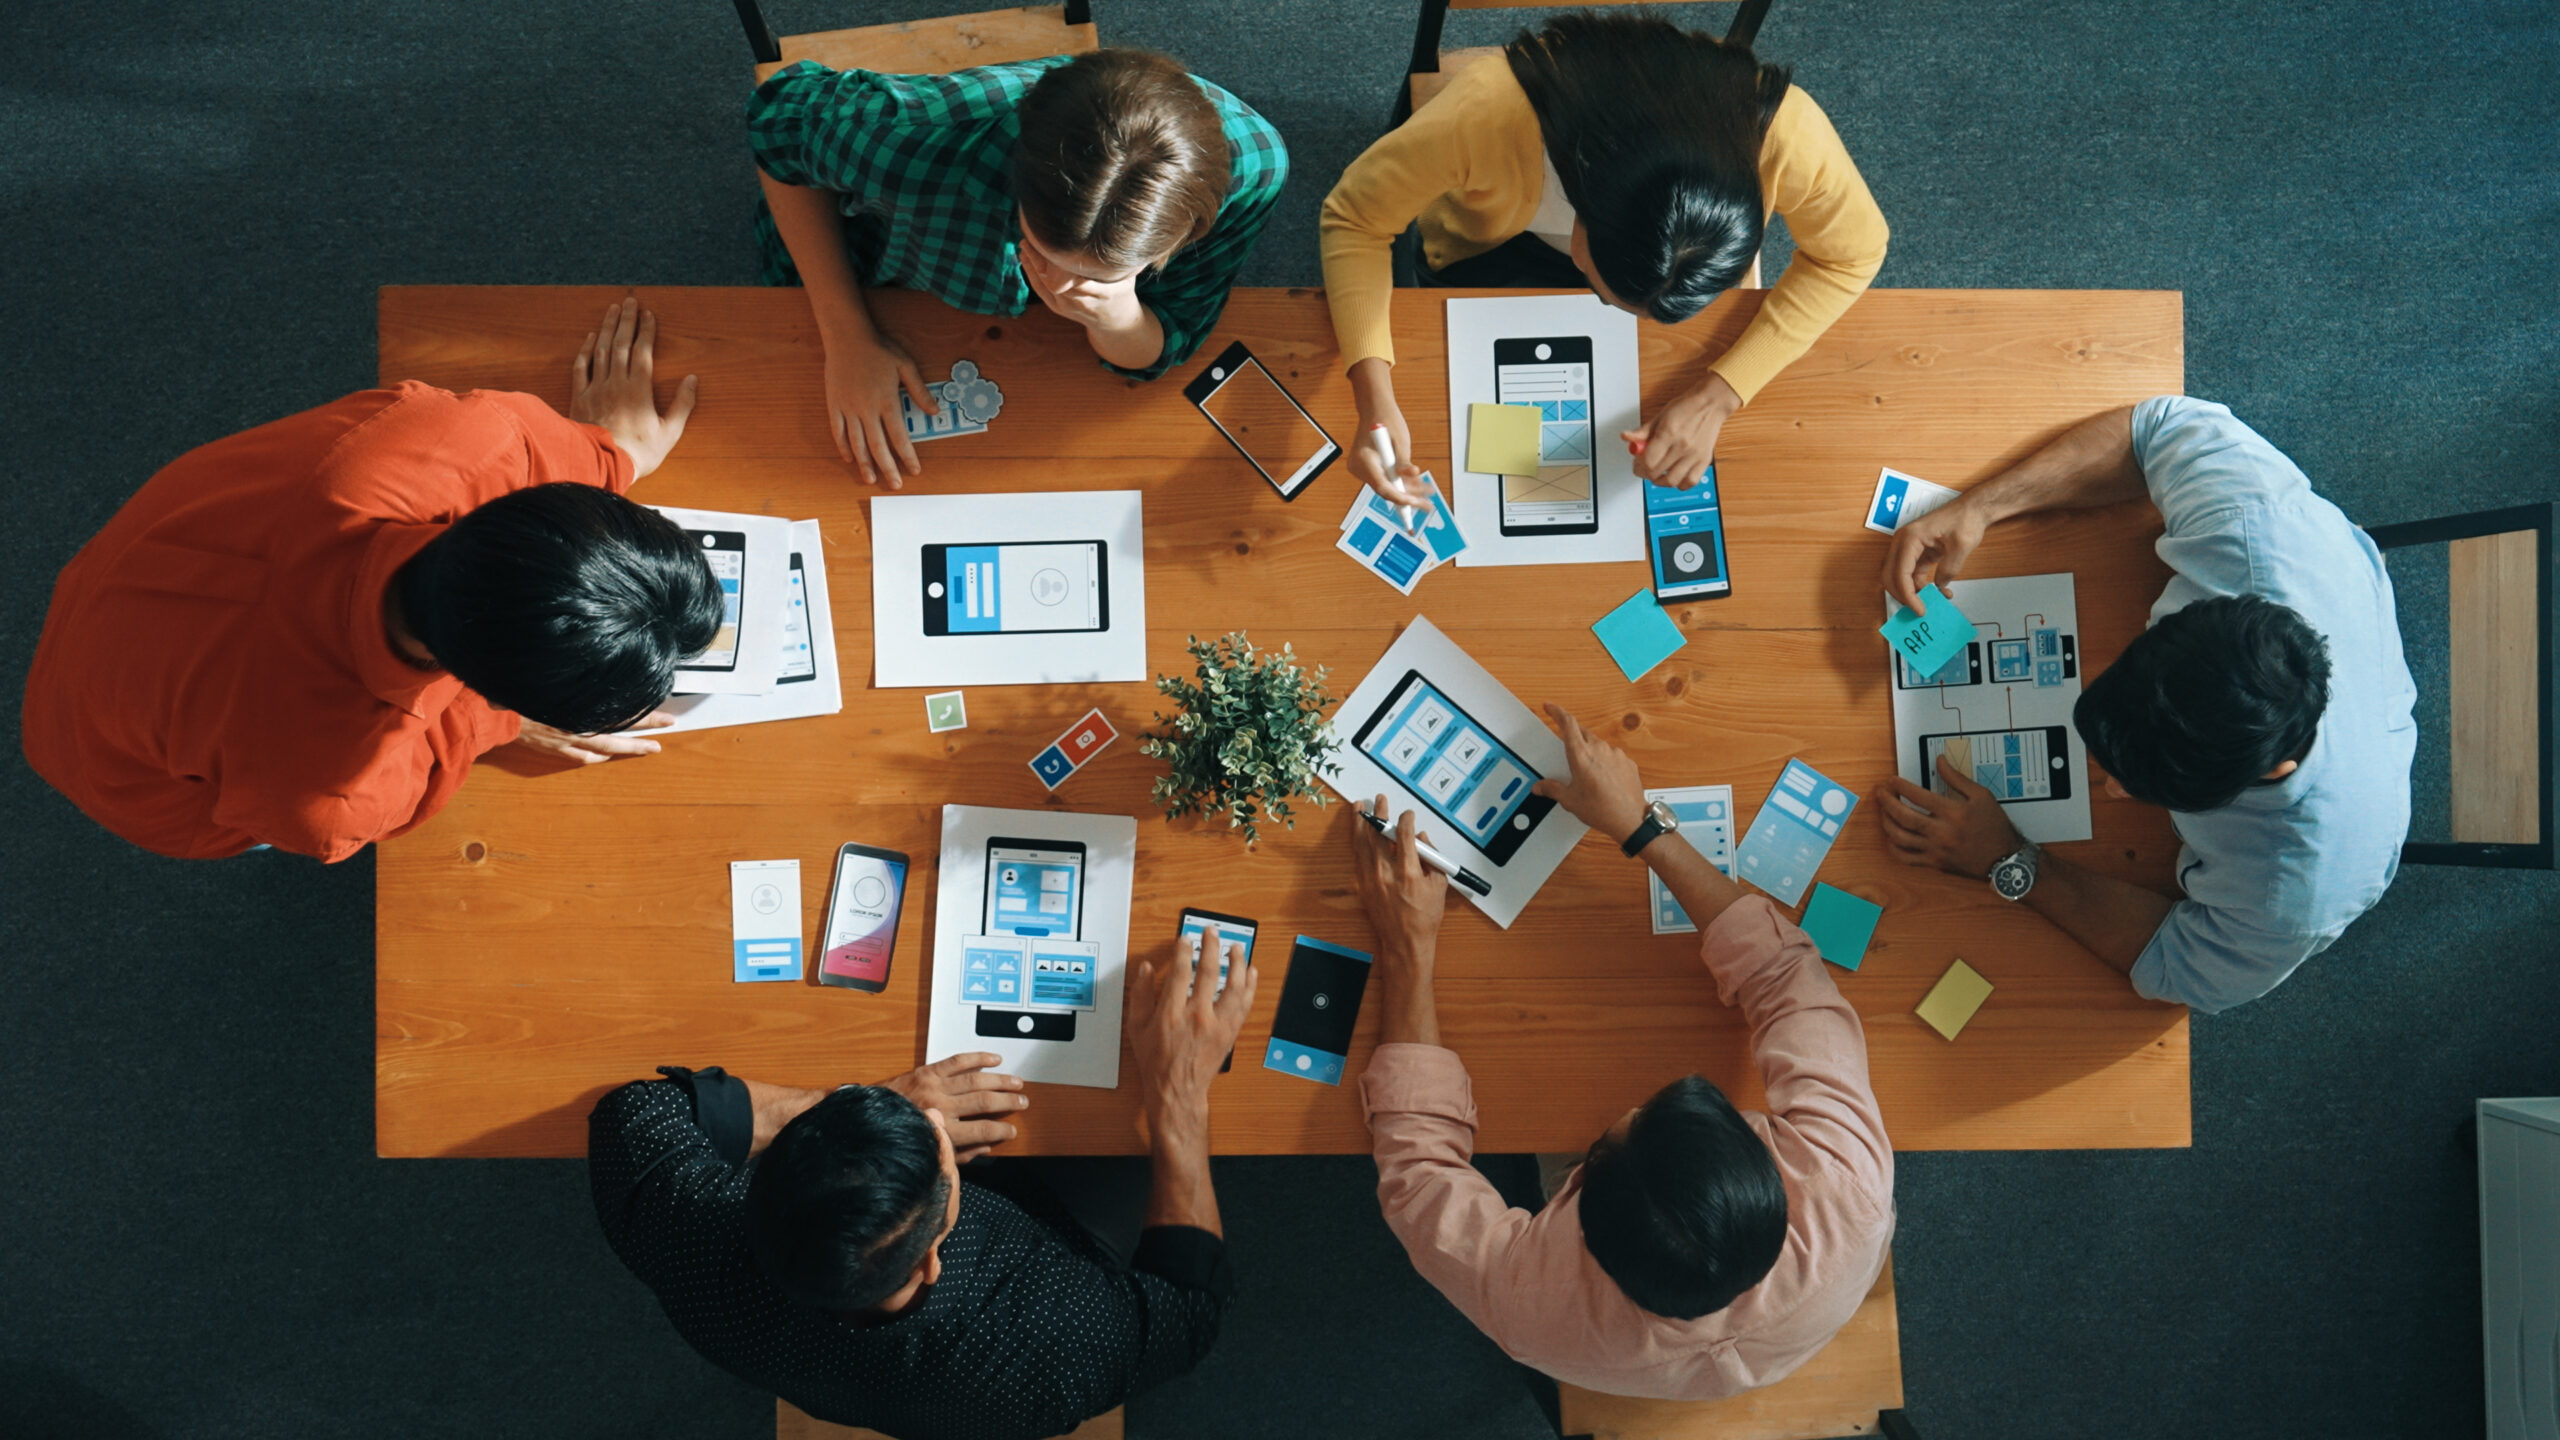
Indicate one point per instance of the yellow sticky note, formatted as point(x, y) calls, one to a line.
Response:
point(1502, 439)
point(1953, 999)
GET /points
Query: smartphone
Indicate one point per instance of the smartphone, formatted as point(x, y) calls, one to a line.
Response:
point(1684, 533)
point(1563, 498)
point(1454, 766)
point(1268, 427)
point(799, 661)
point(2055, 656)
point(862, 918)
point(726, 553)
point(1035, 888)
point(1043, 588)
point(2033, 764)
point(1965, 668)
point(1235, 947)
point(2012, 660)
point(1319, 1007)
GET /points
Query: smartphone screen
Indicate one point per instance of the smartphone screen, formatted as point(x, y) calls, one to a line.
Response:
point(726, 553)
point(862, 917)
point(1235, 948)
point(1454, 766)
point(1555, 375)
point(1035, 887)
point(1268, 427)
point(1319, 1008)
point(1964, 668)
point(1016, 589)
point(799, 661)
point(1684, 531)
point(2013, 764)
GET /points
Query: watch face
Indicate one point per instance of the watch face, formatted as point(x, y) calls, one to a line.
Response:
point(1663, 814)
point(2011, 878)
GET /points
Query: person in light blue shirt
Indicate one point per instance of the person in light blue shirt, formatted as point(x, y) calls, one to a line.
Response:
point(2267, 708)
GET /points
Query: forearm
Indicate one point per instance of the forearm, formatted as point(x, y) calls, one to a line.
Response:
point(1408, 1011)
point(1178, 1187)
point(813, 231)
point(2113, 919)
point(2091, 465)
point(1702, 889)
point(775, 1106)
point(1373, 389)
point(1134, 345)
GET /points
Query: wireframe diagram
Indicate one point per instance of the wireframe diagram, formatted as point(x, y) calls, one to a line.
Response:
point(2001, 709)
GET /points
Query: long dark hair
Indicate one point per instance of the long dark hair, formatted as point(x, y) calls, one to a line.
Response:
point(1655, 132)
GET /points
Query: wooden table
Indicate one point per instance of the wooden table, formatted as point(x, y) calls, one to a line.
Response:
point(551, 935)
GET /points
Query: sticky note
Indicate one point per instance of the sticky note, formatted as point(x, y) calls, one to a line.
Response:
point(1840, 924)
point(1502, 439)
point(1639, 634)
point(1928, 638)
point(946, 711)
point(1953, 999)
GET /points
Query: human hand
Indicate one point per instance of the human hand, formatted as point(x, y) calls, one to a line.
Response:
point(1963, 834)
point(1931, 549)
point(1388, 468)
point(1403, 896)
point(591, 749)
point(1108, 305)
point(1181, 1028)
point(966, 1090)
point(1602, 788)
point(865, 368)
point(1677, 445)
point(609, 385)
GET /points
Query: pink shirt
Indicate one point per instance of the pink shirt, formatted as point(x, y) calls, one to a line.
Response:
point(1527, 1281)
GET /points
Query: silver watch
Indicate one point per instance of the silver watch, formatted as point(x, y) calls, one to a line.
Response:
point(1659, 820)
point(2014, 874)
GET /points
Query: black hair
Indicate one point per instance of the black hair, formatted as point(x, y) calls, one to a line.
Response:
point(847, 1199)
point(567, 604)
point(1655, 133)
point(2206, 702)
point(1687, 1211)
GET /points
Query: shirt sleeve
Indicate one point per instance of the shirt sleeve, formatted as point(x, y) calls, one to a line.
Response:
point(1452, 1222)
point(1805, 1039)
point(1840, 238)
point(2203, 466)
point(1182, 1284)
point(1190, 293)
point(560, 450)
point(806, 122)
point(648, 1161)
point(2210, 958)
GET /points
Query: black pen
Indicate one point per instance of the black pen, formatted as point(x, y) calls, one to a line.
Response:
point(1459, 875)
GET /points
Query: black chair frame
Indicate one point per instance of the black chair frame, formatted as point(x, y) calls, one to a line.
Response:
point(768, 50)
point(1435, 14)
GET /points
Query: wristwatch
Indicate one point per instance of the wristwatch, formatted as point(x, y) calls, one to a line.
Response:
point(2014, 874)
point(1658, 820)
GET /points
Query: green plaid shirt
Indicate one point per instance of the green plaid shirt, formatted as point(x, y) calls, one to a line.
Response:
point(923, 165)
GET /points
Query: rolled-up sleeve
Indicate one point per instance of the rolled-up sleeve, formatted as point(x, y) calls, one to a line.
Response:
point(1805, 1039)
point(1181, 1283)
point(2210, 958)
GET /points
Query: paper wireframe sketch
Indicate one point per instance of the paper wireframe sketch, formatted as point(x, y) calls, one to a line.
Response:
point(952, 1021)
point(2001, 708)
point(808, 682)
point(1033, 589)
point(1611, 405)
point(750, 555)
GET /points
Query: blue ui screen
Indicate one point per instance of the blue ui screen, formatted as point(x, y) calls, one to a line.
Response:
point(1442, 755)
point(1684, 532)
point(1034, 892)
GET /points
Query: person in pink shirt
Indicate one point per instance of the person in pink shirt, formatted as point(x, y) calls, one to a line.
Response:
point(1699, 1250)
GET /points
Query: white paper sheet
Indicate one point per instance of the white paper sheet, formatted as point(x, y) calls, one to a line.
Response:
point(1616, 397)
point(767, 569)
point(820, 693)
point(902, 525)
point(1111, 860)
point(2007, 615)
point(1455, 674)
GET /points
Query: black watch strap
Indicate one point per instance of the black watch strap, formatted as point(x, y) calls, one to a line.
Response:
point(1644, 835)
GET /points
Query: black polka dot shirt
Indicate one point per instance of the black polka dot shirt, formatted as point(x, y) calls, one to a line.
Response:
point(1031, 1330)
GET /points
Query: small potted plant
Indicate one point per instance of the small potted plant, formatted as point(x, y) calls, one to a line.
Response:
point(1251, 735)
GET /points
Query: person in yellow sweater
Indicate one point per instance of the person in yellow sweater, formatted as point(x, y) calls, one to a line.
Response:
point(1624, 153)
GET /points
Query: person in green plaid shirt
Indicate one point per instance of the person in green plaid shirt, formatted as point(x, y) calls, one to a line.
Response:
point(1115, 187)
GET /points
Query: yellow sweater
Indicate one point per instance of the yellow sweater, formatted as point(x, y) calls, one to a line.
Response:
point(1471, 165)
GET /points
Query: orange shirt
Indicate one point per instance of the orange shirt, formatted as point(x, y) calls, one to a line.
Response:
point(215, 673)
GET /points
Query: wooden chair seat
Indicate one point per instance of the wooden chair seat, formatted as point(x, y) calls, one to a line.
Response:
point(792, 1423)
point(1840, 1391)
point(937, 47)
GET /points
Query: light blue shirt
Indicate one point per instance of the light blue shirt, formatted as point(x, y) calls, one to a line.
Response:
point(2275, 877)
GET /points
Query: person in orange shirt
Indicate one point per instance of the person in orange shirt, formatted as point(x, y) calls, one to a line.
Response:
point(302, 635)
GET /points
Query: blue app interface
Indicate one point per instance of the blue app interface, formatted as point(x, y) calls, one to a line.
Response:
point(1684, 532)
point(1033, 892)
point(1233, 945)
point(991, 588)
point(1465, 775)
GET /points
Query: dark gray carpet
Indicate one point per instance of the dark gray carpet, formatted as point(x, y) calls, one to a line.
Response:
point(197, 201)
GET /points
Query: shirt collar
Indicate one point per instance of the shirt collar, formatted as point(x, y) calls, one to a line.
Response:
point(391, 678)
point(2286, 793)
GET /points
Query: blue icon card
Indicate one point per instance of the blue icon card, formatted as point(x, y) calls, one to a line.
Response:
point(1793, 831)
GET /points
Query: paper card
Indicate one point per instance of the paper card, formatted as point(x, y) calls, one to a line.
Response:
point(1386, 551)
point(1502, 439)
point(1092, 1056)
point(1793, 831)
point(1060, 597)
point(1063, 973)
point(764, 919)
point(1952, 1001)
point(1639, 635)
point(750, 557)
point(1595, 400)
point(1439, 526)
point(968, 401)
point(991, 969)
point(1840, 924)
point(1927, 639)
point(1706, 822)
point(808, 681)
point(1070, 752)
point(1901, 497)
point(946, 711)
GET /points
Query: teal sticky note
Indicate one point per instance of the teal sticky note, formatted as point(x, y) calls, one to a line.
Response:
point(1929, 638)
point(1639, 634)
point(1840, 924)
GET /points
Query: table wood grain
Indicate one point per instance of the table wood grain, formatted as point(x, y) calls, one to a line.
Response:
point(555, 933)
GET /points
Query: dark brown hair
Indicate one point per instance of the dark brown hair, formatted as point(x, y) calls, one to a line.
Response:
point(1122, 158)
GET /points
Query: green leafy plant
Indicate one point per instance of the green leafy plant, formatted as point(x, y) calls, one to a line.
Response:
point(1251, 736)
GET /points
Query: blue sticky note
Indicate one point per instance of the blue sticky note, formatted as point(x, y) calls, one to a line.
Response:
point(1052, 766)
point(1639, 634)
point(1928, 638)
point(1840, 924)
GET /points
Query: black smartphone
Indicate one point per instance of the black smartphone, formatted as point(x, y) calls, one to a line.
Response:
point(870, 888)
point(2016, 765)
point(1684, 533)
point(1554, 375)
point(1268, 427)
point(725, 551)
point(1043, 588)
point(1319, 1007)
point(1454, 766)
point(1235, 947)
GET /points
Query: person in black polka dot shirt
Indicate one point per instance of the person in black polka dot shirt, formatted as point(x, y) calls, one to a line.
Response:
point(826, 1247)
